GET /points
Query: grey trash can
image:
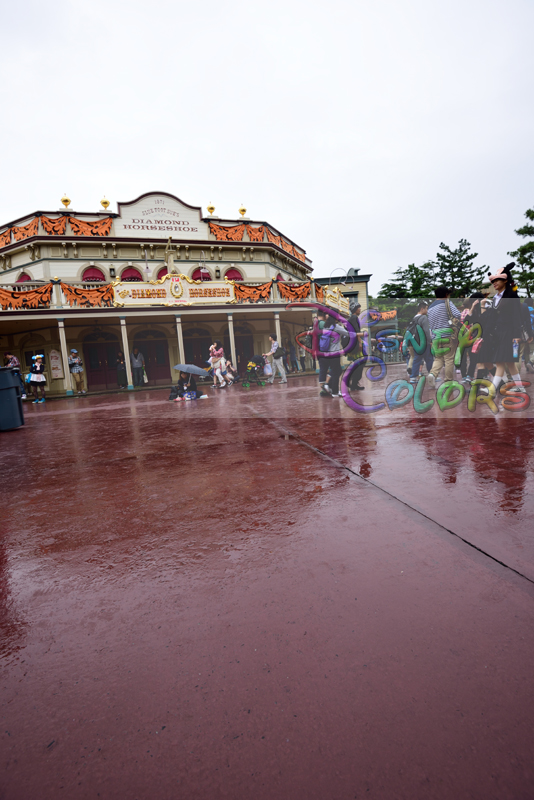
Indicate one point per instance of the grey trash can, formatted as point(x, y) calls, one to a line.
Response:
point(11, 414)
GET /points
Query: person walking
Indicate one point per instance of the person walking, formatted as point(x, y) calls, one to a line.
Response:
point(419, 327)
point(218, 364)
point(76, 370)
point(443, 315)
point(469, 359)
point(527, 335)
point(137, 361)
point(357, 350)
point(38, 379)
point(293, 357)
point(278, 360)
point(329, 366)
point(528, 302)
point(122, 378)
point(12, 362)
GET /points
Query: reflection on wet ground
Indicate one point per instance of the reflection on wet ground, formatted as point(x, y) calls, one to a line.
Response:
point(264, 594)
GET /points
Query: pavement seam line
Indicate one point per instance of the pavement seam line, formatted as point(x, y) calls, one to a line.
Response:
point(341, 466)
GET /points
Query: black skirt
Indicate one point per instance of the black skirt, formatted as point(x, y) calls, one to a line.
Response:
point(502, 326)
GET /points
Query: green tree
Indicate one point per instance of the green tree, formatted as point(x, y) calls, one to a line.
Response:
point(524, 255)
point(410, 282)
point(455, 269)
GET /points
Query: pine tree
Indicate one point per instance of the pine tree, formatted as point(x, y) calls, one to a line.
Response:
point(524, 256)
point(455, 269)
point(412, 282)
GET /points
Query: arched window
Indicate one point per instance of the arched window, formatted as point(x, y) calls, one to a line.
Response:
point(233, 275)
point(201, 274)
point(23, 278)
point(149, 334)
point(190, 333)
point(93, 274)
point(131, 274)
point(163, 271)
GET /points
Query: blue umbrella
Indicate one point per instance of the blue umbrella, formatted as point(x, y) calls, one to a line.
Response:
point(191, 369)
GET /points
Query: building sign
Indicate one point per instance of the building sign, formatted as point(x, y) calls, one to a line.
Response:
point(335, 299)
point(173, 290)
point(56, 364)
point(157, 216)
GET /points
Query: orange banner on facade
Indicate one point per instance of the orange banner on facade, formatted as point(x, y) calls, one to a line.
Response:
point(255, 234)
point(227, 234)
point(24, 232)
point(54, 226)
point(255, 293)
point(102, 295)
point(294, 292)
point(101, 227)
point(272, 238)
point(29, 298)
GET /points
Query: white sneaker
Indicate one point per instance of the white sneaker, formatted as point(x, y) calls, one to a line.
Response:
point(327, 388)
point(431, 381)
point(23, 396)
point(203, 397)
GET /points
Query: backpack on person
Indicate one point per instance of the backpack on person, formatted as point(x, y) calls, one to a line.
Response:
point(412, 327)
point(327, 338)
point(454, 322)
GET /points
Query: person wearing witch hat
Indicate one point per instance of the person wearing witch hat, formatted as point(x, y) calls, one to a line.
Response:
point(502, 321)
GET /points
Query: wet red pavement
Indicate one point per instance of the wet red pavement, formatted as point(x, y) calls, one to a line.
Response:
point(264, 595)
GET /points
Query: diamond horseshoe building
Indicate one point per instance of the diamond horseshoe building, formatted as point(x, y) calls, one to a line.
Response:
point(157, 275)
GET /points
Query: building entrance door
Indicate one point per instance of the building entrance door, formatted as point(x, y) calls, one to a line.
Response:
point(244, 350)
point(197, 351)
point(156, 354)
point(100, 365)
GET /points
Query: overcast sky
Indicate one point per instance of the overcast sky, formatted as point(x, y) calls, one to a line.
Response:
point(367, 132)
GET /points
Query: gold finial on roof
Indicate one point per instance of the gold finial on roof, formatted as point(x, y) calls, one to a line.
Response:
point(104, 203)
point(65, 200)
point(211, 208)
point(242, 210)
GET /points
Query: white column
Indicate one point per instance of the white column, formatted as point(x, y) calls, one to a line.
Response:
point(179, 333)
point(65, 357)
point(232, 340)
point(126, 349)
point(278, 328)
point(57, 295)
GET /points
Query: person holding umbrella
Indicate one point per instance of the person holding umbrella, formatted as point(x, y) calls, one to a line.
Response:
point(186, 388)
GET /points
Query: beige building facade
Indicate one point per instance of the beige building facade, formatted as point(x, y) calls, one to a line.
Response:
point(156, 275)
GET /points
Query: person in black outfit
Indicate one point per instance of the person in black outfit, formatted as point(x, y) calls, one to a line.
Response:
point(356, 352)
point(468, 364)
point(502, 321)
point(186, 385)
point(526, 329)
point(122, 380)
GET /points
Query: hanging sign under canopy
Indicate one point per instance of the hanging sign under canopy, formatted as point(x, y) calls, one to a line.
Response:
point(172, 290)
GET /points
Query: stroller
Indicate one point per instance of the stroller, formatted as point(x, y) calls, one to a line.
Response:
point(254, 372)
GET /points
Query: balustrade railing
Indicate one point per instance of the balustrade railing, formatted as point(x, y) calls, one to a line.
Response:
point(58, 299)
